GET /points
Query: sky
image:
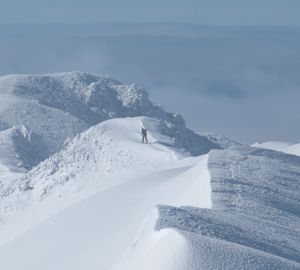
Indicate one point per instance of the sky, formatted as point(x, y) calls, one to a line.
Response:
point(216, 12)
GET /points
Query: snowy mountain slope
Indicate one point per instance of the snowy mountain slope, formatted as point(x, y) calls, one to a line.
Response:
point(96, 232)
point(241, 214)
point(92, 202)
point(285, 147)
point(59, 106)
point(53, 109)
point(251, 223)
point(254, 221)
point(88, 162)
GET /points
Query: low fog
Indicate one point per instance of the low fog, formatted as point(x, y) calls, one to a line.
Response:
point(241, 82)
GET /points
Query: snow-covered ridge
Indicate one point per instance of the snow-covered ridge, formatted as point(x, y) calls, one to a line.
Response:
point(63, 129)
point(127, 197)
point(59, 106)
point(104, 149)
point(88, 202)
point(88, 162)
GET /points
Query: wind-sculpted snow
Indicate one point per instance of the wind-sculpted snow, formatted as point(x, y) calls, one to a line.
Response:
point(95, 232)
point(110, 148)
point(254, 221)
point(59, 106)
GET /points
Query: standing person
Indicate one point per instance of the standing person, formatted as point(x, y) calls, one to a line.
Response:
point(144, 135)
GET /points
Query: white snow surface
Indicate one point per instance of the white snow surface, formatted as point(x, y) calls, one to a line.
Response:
point(100, 158)
point(97, 232)
point(231, 209)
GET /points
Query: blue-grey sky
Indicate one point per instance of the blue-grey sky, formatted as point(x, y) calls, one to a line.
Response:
point(220, 12)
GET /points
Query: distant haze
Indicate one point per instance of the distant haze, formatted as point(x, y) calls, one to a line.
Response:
point(216, 12)
point(242, 82)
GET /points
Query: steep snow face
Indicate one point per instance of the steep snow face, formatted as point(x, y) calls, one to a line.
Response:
point(59, 106)
point(254, 221)
point(285, 147)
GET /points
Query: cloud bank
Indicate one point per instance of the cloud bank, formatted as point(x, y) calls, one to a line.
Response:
point(241, 82)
